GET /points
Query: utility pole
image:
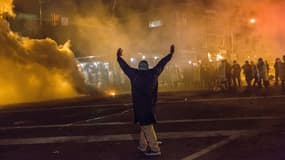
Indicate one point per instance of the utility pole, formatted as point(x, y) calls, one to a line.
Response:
point(40, 13)
point(114, 3)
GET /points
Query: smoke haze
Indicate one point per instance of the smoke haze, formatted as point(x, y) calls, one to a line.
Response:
point(198, 24)
point(34, 69)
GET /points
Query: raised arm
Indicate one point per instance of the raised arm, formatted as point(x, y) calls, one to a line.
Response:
point(123, 64)
point(160, 66)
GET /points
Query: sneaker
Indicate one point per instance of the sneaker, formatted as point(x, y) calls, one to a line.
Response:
point(141, 149)
point(152, 153)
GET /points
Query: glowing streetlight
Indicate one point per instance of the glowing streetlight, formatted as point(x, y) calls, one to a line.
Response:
point(252, 20)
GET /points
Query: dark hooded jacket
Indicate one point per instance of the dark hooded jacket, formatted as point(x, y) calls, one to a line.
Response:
point(144, 85)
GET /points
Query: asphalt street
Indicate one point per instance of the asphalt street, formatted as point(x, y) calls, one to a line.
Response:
point(219, 126)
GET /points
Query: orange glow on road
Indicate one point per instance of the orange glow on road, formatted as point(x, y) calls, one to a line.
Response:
point(112, 93)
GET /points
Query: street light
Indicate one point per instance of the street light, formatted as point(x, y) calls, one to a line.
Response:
point(252, 20)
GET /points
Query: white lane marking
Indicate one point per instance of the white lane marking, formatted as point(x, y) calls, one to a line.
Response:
point(129, 123)
point(211, 148)
point(99, 118)
point(220, 99)
point(120, 137)
point(195, 120)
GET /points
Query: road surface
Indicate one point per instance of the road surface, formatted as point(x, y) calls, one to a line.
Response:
point(190, 127)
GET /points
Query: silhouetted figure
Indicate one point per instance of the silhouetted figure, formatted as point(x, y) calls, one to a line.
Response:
point(236, 74)
point(247, 71)
point(228, 73)
point(266, 75)
point(276, 69)
point(262, 73)
point(254, 73)
point(224, 75)
point(144, 84)
point(282, 73)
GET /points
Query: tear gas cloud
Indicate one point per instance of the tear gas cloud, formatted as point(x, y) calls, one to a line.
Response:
point(195, 27)
point(188, 24)
point(34, 69)
point(40, 69)
point(266, 36)
point(100, 32)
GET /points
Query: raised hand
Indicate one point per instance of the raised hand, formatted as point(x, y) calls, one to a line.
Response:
point(172, 49)
point(119, 52)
